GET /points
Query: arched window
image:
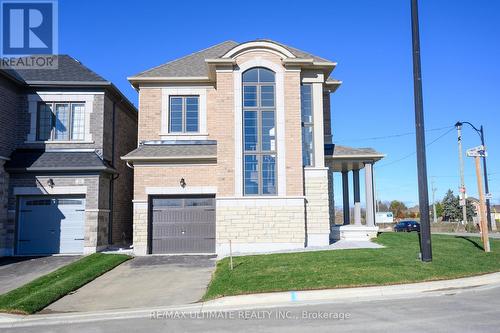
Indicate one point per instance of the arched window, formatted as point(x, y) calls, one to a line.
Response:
point(259, 132)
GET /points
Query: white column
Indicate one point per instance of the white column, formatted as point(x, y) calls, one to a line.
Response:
point(370, 202)
point(357, 200)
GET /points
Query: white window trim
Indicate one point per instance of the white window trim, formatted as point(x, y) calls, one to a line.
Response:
point(280, 124)
point(34, 99)
point(202, 134)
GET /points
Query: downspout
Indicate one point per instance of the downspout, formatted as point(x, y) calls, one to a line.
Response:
point(112, 179)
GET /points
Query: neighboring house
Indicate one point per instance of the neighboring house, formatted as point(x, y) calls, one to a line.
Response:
point(235, 152)
point(64, 188)
point(495, 210)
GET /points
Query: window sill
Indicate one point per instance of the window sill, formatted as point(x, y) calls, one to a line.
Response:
point(60, 142)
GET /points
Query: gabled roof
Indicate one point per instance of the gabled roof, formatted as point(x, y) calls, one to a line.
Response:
point(192, 65)
point(69, 73)
point(195, 66)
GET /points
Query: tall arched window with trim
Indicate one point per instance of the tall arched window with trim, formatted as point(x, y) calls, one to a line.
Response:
point(259, 132)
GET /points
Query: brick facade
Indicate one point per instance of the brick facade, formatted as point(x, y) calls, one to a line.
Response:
point(95, 186)
point(298, 215)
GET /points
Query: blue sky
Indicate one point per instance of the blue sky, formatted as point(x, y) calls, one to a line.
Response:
point(370, 40)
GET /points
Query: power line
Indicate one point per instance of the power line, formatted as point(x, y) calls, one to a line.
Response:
point(413, 153)
point(393, 135)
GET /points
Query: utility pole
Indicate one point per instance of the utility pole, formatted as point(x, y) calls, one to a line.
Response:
point(480, 132)
point(486, 187)
point(478, 152)
point(463, 197)
point(434, 202)
point(423, 191)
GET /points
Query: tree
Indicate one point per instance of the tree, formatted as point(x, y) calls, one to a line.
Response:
point(452, 211)
point(383, 206)
point(439, 209)
point(398, 208)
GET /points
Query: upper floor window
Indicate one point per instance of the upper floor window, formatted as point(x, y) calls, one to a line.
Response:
point(184, 114)
point(259, 132)
point(307, 124)
point(61, 121)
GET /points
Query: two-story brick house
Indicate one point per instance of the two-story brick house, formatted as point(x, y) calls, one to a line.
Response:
point(235, 151)
point(63, 186)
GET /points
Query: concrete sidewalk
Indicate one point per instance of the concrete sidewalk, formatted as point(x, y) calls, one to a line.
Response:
point(269, 300)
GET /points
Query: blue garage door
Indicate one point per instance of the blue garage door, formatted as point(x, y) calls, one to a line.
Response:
point(49, 225)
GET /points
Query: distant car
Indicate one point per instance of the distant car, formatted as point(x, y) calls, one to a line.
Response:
point(407, 226)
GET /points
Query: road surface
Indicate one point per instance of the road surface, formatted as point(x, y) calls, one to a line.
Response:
point(455, 310)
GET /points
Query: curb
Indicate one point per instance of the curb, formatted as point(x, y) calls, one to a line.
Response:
point(264, 300)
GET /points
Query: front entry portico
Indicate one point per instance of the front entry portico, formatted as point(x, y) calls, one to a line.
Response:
point(348, 160)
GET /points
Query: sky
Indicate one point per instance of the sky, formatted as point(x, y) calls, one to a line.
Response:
point(370, 40)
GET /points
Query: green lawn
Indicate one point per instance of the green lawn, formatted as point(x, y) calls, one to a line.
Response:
point(39, 293)
point(453, 257)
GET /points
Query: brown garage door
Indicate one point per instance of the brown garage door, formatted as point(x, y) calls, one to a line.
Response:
point(183, 225)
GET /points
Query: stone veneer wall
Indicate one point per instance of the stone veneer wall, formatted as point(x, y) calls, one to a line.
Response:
point(317, 207)
point(331, 200)
point(259, 224)
point(140, 228)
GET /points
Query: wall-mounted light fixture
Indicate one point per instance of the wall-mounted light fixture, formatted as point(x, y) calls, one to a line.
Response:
point(50, 183)
point(182, 183)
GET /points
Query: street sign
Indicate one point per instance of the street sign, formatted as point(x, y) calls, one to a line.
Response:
point(462, 190)
point(462, 202)
point(488, 196)
point(479, 151)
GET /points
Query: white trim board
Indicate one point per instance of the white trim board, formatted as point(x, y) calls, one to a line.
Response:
point(202, 105)
point(87, 98)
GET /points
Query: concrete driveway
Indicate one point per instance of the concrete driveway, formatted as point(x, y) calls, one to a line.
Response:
point(142, 282)
point(16, 271)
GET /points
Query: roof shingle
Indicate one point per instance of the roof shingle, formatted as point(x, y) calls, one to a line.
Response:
point(68, 70)
point(40, 160)
point(174, 150)
point(194, 65)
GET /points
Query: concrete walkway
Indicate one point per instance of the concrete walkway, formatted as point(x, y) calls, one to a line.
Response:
point(17, 271)
point(142, 282)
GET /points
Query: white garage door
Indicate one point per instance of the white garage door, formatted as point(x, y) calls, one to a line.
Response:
point(48, 225)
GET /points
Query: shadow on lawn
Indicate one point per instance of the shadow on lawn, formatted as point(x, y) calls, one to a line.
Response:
point(476, 244)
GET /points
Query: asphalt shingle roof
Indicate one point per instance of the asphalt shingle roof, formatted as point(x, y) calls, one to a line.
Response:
point(39, 160)
point(174, 149)
point(336, 150)
point(194, 65)
point(68, 70)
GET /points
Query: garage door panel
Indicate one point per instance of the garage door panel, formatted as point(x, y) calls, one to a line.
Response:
point(183, 225)
point(183, 245)
point(183, 229)
point(48, 225)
